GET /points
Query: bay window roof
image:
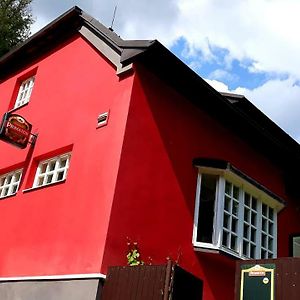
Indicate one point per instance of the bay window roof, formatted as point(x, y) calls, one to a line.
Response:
point(219, 167)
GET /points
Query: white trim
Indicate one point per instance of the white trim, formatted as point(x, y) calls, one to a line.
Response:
point(218, 222)
point(275, 234)
point(24, 92)
point(55, 277)
point(205, 245)
point(12, 184)
point(207, 250)
point(196, 212)
point(240, 235)
point(258, 229)
point(44, 172)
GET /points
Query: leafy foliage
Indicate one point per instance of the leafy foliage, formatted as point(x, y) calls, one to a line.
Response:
point(15, 22)
point(133, 255)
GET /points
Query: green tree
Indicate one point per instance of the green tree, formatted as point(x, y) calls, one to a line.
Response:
point(15, 22)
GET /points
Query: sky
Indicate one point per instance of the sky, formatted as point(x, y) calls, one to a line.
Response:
point(248, 47)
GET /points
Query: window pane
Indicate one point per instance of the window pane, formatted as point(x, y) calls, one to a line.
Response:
point(17, 177)
point(234, 225)
point(270, 246)
point(60, 175)
point(252, 251)
point(270, 228)
point(254, 203)
point(43, 168)
point(263, 254)
point(226, 221)
point(236, 191)
point(247, 215)
point(49, 178)
point(207, 208)
point(253, 218)
point(264, 209)
point(264, 240)
point(253, 234)
point(51, 165)
point(271, 212)
point(8, 179)
point(63, 163)
point(245, 248)
point(40, 181)
point(296, 246)
point(228, 187)
point(14, 189)
point(5, 191)
point(233, 243)
point(227, 203)
point(225, 240)
point(246, 231)
point(264, 224)
point(235, 208)
point(247, 199)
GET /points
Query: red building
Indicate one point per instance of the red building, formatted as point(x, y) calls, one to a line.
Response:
point(132, 144)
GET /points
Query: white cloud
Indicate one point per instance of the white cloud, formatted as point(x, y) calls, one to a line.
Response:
point(218, 85)
point(221, 74)
point(262, 30)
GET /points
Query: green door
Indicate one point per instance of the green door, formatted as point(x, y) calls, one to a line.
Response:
point(257, 282)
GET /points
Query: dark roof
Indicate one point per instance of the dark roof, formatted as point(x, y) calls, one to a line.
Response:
point(261, 121)
point(71, 22)
point(234, 111)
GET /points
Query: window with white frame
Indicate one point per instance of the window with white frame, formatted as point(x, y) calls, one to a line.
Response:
point(24, 92)
point(295, 243)
point(9, 183)
point(234, 216)
point(52, 170)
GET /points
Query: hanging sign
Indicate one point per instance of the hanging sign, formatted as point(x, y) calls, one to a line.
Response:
point(15, 130)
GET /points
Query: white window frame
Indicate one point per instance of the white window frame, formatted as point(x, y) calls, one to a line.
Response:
point(50, 170)
point(9, 183)
point(244, 187)
point(24, 92)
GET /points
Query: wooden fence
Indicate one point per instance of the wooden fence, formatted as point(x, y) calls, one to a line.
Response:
point(160, 282)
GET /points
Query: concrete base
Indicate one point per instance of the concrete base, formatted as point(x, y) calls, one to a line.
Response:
point(75, 289)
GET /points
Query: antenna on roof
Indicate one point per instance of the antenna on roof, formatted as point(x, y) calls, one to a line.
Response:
point(113, 19)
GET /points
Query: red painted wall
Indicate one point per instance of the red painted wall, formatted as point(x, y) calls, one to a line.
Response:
point(156, 183)
point(61, 229)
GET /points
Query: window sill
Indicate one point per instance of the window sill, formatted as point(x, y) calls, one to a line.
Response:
point(220, 251)
point(16, 108)
point(8, 196)
point(43, 186)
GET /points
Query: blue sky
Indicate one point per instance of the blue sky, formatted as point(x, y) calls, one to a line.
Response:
point(248, 47)
point(234, 73)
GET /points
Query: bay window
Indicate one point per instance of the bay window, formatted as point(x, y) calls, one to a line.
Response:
point(235, 214)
